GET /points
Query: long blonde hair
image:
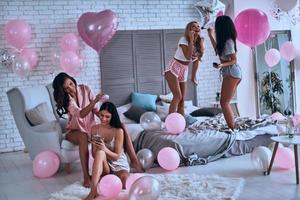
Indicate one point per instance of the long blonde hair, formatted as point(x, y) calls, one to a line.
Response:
point(198, 41)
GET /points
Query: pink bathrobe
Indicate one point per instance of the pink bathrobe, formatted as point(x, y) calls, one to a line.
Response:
point(84, 96)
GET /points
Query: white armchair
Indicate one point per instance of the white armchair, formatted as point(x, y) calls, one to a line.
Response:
point(47, 136)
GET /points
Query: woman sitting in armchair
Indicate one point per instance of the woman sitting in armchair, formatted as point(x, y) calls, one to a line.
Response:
point(79, 103)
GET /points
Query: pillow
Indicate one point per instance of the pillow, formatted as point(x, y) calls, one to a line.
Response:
point(121, 110)
point(162, 111)
point(166, 98)
point(40, 114)
point(135, 113)
point(209, 112)
point(145, 101)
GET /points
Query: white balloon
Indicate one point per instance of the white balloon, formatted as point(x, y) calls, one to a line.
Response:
point(261, 157)
point(21, 66)
point(146, 158)
point(150, 121)
point(146, 188)
point(286, 5)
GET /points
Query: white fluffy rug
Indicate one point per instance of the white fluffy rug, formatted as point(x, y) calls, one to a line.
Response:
point(173, 186)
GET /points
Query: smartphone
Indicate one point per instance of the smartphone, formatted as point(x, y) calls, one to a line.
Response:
point(216, 65)
point(97, 138)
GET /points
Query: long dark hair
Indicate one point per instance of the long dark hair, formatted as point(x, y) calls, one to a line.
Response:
point(225, 30)
point(198, 41)
point(115, 119)
point(60, 95)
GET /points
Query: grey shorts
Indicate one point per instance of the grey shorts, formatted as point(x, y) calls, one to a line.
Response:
point(233, 71)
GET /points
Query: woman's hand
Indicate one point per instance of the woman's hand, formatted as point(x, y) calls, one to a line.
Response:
point(191, 35)
point(210, 31)
point(99, 145)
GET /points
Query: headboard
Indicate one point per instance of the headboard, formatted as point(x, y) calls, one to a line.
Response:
point(134, 61)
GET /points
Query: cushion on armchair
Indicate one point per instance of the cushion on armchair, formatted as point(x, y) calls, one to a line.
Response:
point(40, 114)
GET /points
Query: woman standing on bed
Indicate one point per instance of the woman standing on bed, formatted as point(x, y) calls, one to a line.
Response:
point(190, 49)
point(225, 47)
point(79, 103)
point(108, 151)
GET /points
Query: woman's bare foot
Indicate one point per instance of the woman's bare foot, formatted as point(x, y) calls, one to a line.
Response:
point(91, 195)
point(195, 81)
point(87, 182)
point(138, 167)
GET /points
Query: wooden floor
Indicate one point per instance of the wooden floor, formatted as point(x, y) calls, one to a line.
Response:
point(17, 181)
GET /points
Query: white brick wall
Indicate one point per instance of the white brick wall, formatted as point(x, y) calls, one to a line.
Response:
point(49, 20)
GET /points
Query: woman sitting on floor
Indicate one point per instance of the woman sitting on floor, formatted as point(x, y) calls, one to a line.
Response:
point(108, 151)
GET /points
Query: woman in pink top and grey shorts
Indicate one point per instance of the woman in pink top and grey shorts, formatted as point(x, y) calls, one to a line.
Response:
point(79, 103)
point(190, 49)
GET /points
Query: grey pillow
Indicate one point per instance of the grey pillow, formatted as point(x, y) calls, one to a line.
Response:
point(40, 114)
point(207, 112)
point(135, 113)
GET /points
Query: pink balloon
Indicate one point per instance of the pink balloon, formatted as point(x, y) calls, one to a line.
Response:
point(272, 57)
point(284, 158)
point(220, 13)
point(168, 158)
point(252, 27)
point(110, 186)
point(69, 42)
point(17, 33)
point(45, 164)
point(31, 55)
point(70, 62)
point(277, 116)
point(296, 119)
point(21, 66)
point(96, 29)
point(288, 51)
point(175, 123)
point(131, 179)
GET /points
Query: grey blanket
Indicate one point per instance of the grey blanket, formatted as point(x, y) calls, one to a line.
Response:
point(218, 123)
point(193, 149)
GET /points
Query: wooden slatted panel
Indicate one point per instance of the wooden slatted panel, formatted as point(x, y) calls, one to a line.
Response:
point(117, 68)
point(149, 61)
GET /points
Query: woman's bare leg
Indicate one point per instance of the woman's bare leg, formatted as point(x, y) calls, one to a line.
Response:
point(100, 167)
point(194, 72)
point(123, 175)
point(180, 108)
point(131, 152)
point(175, 89)
point(229, 86)
point(81, 139)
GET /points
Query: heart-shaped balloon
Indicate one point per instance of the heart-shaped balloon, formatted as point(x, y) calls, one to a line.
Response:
point(96, 29)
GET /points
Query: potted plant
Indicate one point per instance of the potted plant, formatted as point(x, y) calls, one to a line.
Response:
point(270, 90)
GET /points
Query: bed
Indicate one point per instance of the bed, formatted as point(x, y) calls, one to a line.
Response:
point(134, 61)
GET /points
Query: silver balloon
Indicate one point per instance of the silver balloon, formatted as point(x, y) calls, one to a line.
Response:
point(146, 158)
point(150, 121)
point(146, 188)
point(7, 57)
point(205, 8)
point(21, 66)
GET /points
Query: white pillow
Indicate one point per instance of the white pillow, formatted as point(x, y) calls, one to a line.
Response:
point(121, 110)
point(166, 98)
point(40, 114)
point(162, 110)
